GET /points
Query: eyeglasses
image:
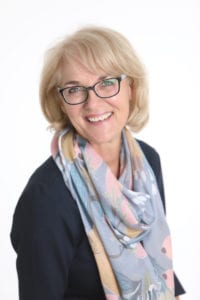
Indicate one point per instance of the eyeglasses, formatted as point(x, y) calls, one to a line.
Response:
point(106, 88)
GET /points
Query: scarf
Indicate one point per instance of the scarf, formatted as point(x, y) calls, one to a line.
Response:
point(123, 218)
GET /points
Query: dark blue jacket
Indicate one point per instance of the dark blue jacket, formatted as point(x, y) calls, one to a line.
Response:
point(54, 258)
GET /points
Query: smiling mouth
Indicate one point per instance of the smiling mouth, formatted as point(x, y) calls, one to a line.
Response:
point(99, 118)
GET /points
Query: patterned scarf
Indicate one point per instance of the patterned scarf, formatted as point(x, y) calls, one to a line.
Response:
point(123, 218)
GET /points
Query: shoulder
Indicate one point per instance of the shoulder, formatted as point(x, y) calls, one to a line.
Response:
point(45, 187)
point(45, 203)
point(151, 155)
point(148, 150)
point(153, 158)
point(47, 180)
point(46, 173)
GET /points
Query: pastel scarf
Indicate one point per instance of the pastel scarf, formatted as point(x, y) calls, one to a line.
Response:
point(123, 218)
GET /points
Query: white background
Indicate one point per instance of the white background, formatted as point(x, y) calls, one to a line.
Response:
point(166, 34)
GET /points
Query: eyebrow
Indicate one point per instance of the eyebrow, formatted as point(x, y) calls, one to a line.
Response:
point(74, 82)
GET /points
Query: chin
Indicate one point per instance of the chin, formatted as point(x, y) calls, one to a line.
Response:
point(101, 140)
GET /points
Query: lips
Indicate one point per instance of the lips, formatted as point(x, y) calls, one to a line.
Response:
point(100, 118)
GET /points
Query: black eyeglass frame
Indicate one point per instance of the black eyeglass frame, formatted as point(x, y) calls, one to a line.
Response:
point(87, 89)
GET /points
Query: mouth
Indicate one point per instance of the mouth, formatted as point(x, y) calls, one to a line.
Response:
point(100, 118)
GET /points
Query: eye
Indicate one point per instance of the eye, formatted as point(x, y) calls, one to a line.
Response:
point(74, 89)
point(108, 82)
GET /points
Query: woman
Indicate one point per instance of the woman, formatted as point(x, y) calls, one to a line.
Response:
point(90, 223)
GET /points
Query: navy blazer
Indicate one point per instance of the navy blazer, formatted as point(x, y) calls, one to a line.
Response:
point(54, 258)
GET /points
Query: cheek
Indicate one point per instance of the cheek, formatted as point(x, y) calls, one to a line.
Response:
point(126, 101)
point(69, 111)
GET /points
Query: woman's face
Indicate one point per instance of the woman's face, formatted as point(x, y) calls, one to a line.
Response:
point(100, 121)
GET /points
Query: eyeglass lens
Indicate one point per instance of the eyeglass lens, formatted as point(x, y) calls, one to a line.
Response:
point(103, 89)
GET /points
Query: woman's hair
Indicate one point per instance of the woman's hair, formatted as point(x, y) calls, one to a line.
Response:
point(98, 49)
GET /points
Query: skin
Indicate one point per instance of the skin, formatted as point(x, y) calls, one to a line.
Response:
point(104, 136)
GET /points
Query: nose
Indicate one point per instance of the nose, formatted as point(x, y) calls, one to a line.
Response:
point(92, 99)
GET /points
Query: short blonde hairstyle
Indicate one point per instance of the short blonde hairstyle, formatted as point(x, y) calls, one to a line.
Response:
point(97, 49)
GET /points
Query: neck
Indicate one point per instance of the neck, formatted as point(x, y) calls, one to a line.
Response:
point(111, 155)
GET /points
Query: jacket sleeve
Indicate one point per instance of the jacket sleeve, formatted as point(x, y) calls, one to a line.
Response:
point(154, 160)
point(43, 256)
point(178, 287)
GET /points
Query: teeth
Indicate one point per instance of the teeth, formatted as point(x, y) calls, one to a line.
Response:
point(100, 118)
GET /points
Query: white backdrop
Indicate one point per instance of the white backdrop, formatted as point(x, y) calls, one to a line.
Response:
point(166, 34)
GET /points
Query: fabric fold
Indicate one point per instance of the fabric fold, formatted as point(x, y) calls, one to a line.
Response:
point(123, 218)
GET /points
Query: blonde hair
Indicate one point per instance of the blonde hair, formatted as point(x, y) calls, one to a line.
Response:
point(97, 49)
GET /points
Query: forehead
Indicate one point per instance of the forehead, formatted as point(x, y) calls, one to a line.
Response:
point(76, 71)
